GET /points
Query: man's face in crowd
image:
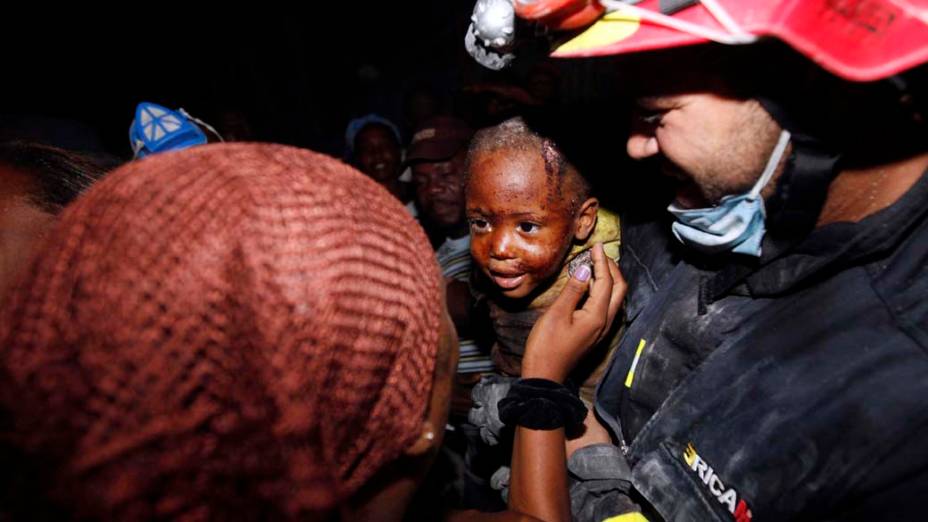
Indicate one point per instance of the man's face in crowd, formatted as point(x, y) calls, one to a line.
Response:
point(440, 190)
point(712, 144)
point(378, 153)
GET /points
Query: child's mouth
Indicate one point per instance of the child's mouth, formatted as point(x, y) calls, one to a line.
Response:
point(507, 281)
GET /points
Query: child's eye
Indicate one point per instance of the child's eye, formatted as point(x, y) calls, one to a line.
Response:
point(478, 225)
point(528, 228)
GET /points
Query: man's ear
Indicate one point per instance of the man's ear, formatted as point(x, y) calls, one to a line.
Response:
point(585, 222)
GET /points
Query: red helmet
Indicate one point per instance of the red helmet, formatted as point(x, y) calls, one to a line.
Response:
point(860, 40)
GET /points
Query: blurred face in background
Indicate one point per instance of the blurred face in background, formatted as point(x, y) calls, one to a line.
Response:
point(377, 153)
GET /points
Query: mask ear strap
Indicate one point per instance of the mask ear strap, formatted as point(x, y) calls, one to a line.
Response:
point(136, 144)
point(722, 16)
point(772, 164)
point(735, 36)
point(201, 122)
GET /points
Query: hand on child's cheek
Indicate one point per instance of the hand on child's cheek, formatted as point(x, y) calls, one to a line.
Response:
point(521, 229)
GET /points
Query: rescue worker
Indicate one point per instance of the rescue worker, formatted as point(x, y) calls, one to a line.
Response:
point(776, 346)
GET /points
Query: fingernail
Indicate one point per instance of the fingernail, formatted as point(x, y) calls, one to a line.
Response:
point(583, 273)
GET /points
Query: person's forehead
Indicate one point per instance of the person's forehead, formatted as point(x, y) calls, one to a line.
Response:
point(682, 83)
point(513, 181)
point(375, 131)
point(15, 183)
point(457, 161)
point(510, 167)
point(701, 69)
point(433, 166)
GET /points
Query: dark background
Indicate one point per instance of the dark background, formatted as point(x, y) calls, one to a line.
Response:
point(295, 74)
point(298, 74)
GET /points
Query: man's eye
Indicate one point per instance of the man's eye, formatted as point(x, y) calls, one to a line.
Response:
point(528, 228)
point(651, 118)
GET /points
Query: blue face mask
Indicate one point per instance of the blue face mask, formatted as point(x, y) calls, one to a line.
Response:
point(159, 129)
point(736, 224)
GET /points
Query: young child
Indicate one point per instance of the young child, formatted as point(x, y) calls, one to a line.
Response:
point(532, 223)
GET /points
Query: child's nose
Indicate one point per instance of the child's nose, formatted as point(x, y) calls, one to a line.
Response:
point(501, 245)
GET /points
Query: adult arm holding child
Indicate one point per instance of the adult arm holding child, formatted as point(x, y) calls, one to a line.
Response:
point(556, 344)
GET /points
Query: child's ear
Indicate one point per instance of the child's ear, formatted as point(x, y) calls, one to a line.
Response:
point(586, 219)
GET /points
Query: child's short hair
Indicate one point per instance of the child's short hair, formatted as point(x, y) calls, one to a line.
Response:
point(517, 134)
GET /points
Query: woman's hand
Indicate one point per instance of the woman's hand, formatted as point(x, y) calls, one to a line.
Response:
point(564, 333)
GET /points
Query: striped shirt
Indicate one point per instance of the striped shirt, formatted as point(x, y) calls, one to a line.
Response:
point(454, 258)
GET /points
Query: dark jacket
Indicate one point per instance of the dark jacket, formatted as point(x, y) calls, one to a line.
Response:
point(794, 387)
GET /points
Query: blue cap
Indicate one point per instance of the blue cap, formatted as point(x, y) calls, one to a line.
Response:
point(158, 129)
point(356, 125)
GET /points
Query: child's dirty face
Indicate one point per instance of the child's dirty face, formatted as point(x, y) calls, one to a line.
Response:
point(378, 153)
point(521, 228)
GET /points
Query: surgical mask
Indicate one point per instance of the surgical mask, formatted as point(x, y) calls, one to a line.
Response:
point(736, 224)
point(159, 129)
